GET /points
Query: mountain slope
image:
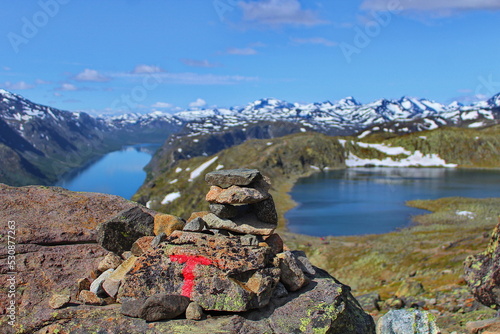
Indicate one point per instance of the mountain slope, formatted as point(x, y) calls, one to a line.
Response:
point(38, 144)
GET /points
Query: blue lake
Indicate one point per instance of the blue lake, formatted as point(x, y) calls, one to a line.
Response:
point(359, 201)
point(117, 173)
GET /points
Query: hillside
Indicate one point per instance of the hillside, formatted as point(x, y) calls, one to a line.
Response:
point(38, 144)
point(177, 185)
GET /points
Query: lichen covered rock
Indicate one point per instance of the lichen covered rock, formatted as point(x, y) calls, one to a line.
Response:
point(482, 273)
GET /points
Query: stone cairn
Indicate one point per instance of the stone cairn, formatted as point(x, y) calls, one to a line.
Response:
point(228, 259)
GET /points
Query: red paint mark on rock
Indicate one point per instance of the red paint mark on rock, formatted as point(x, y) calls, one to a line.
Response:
point(188, 272)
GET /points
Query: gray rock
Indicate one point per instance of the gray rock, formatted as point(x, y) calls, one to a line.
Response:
point(195, 225)
point(407, 321)
point(248, 224)
point(280, 291)
point(232, 177)
point(303, 262)
point(132, 307)
point(266, 211)
point(249, 240)
point(194, 311)
point(291, 275)
point(119, 233)
point(163, 306)
point(96, 286)
point(158, 239)
point(224, 211)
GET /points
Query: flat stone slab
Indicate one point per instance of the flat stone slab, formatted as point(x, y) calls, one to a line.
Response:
point(248, 224)
point(236, 195)
point(232, 177)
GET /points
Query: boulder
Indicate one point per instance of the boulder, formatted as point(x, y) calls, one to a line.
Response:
point(132, 307)
point(248, 224)
point(236, 195)
point(63, 245)
point(90, 298)
point(325, 306)
point(195, 225)
point(194, 311)
point(119, 233)
point(482, 273)
point(407, 321)
point(158, 239)
point(167, 224)
point(232, 177)
point(162, 306)
point(216, 271)
point(58, 301)
point(292, 276)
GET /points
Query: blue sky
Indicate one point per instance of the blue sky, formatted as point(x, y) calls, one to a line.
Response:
point(119, 56)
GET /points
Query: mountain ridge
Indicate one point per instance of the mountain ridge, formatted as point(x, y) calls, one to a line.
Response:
point(38, 144)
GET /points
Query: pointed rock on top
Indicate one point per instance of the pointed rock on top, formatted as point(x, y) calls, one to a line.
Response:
point(232, 177)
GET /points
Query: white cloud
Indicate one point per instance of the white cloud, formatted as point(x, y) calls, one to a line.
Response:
point(189, 78)
point(440, 6)
point(242, 52)
point(68, 87)
point(162, 105)
point(147, 69)
point(199, 103)
point(314, 40)
point(199, 63)
point(278, 12)
point(42, 82)
point(21, 85)
point(91, 75)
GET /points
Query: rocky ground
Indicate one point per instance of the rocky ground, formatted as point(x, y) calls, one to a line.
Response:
point(96, 263)
point(421, 266)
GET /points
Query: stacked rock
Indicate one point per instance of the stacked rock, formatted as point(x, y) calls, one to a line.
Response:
point(240, 202)
point(228, 259)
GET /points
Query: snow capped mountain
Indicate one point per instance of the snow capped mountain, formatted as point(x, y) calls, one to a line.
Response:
point(494, 102)
point(347, 116)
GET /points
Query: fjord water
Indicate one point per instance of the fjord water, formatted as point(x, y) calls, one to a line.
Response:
point(358, 201)
point(117, 173)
